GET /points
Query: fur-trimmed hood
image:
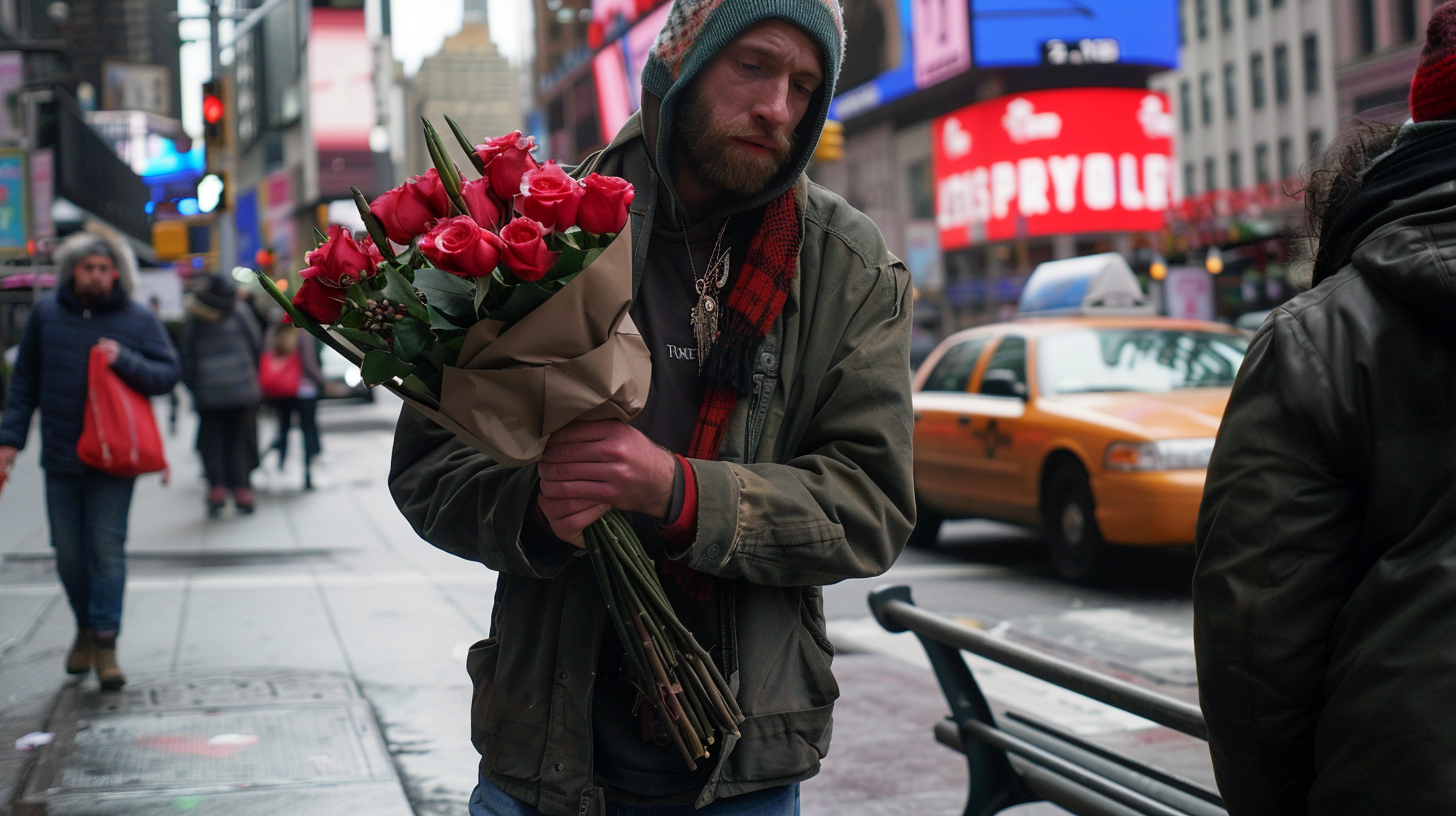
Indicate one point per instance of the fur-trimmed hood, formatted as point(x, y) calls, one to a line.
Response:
point(83, 243)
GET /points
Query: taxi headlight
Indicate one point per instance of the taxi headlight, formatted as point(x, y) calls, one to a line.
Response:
point(1165, 454)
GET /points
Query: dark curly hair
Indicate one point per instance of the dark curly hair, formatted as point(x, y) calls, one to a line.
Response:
point(1334, 179)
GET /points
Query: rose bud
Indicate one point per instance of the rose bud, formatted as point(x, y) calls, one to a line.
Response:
point(506, 159)
point(604, 202)
point(459, 246)
point(366, 244)
point(485, 208)
point(340, 261)
point(525, 251)
point(319, 301)
point(407, 210)
point(550, 196)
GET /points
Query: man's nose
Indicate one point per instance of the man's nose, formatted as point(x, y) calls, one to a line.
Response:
point(773, 107)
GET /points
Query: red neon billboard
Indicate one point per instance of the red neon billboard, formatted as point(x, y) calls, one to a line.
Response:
point(1052, 162)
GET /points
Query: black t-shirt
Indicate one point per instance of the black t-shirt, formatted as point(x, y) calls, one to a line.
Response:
point(625, 764)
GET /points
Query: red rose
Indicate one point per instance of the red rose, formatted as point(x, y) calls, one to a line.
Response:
point(485, 208)
point(507, 158)
point(604, 201)
point(459, 246)
point(320, 301)
point(525, 249)
point(550, 196)
point(407, 210)
point(367, 245)
point(340, 261)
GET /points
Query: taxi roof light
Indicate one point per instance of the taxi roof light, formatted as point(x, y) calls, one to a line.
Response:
point(1101, 284)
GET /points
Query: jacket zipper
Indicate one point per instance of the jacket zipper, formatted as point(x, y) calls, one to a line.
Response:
point(765, 381)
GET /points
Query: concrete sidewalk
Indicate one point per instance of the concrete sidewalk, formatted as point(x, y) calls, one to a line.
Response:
point(313, 654)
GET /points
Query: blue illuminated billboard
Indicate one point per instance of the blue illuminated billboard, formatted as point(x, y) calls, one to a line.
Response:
point(1025, 33)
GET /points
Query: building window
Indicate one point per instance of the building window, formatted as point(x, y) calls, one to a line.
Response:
point(1281, 73)
point(1256, 81)
point(1409, 25)
point(1210, 174)
point(1316, 143)
point(1261, 163)
point(1200, 15)
point(1236, 170)
point(1190, 178)
point(1230, 91)
point(1253, 8)
point(1311, 64)
point(1205, 97)
point(1185, 105)
point(1286, 158)
point(1226, 14)
point(922, 195)
point(1276, 3)
point(1365, 10)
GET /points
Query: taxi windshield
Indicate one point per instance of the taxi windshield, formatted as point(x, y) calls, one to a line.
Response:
point(1146, 360)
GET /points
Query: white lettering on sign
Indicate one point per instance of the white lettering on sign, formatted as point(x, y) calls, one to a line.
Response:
point(1096, 182)
point(1023, 124)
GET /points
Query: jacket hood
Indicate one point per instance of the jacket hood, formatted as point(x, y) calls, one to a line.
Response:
point(1409, 245)
point(80, 244)
point(695, 31)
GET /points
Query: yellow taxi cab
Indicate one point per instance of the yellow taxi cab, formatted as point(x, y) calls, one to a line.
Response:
point(1096, 428)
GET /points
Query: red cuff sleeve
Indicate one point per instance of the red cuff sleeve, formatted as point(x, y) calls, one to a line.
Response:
point(685, 528)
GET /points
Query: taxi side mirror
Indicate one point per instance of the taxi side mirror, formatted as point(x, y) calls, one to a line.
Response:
point(1002, 382)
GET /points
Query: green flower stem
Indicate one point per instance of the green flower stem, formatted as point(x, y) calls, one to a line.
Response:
point(372, 224)
point(664, 687)
point(445, 168)
point(312, 326)
point(465, 145)
point(695, 696)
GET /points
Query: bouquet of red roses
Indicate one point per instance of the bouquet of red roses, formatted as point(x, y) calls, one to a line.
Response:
point(498, 307)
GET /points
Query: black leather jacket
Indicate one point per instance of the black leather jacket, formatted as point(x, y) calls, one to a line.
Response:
point(1325, 592)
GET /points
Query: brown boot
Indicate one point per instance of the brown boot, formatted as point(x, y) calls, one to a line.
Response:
point(83, 653)
point(107, 669)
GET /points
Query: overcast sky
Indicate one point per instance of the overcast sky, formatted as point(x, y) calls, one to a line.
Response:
point(420, 26)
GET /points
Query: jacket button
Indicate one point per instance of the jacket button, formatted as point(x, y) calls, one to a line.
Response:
point(559, 767)
point(713, 551)
point(561, 675)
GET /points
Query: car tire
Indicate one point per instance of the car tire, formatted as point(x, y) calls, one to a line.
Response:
point(927, 527)
point(1069, 516)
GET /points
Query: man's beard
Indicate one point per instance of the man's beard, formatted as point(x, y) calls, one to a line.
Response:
point(716, 158)
point(91, 296)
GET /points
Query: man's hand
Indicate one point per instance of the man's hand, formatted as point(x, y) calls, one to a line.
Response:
point(591, 467)
point(110, 348)
point(7, 457)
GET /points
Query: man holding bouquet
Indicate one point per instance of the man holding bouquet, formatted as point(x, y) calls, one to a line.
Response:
point(773, 455)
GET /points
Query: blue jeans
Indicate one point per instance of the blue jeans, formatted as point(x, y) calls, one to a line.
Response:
point(88, 531)
point(488, 800)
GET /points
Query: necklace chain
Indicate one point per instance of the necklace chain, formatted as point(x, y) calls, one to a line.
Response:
point(704, 315)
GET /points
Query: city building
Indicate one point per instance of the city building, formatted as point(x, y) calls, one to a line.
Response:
point(467, 80)
point(1377, 48)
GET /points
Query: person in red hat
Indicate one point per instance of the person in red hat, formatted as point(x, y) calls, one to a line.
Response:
point(1325, 592)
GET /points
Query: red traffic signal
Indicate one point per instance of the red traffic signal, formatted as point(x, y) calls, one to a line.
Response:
point(212, 109)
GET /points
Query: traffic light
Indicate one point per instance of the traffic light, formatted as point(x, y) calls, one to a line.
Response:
point(214, 116)
point(831, 142)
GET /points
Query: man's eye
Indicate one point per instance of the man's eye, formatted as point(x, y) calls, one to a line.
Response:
point(747, 66)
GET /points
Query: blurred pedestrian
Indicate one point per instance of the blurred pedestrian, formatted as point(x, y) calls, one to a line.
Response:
point(291, 380)
point(1325, 592)
point(87, 509)
point(221, 343)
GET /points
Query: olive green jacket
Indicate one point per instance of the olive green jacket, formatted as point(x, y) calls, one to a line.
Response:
point(812, 486)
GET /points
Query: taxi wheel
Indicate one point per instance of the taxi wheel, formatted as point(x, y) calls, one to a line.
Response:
point(1078, 551)
point(927, 528)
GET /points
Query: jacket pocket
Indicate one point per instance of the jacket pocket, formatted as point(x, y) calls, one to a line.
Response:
point(811, 612)
point(480, 664)
point(765, 382)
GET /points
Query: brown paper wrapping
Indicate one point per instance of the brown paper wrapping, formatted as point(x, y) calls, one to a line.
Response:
point(576, 356)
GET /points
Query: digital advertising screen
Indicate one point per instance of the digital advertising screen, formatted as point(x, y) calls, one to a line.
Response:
point(1052, 162)
point(1017, 33)
point(897, 47)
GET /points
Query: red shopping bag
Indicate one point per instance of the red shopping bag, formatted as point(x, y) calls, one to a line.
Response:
point(279, 376)
point(119, 435)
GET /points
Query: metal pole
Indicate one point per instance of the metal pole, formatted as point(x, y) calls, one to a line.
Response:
point(222, 223)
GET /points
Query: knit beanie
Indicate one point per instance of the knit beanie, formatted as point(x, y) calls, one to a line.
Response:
point(696, 30)
point(1433, 90)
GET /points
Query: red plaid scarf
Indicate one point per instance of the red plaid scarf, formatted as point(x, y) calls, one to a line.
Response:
point(753, 305)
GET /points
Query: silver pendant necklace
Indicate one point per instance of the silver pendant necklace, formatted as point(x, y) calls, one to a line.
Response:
point(704, 316)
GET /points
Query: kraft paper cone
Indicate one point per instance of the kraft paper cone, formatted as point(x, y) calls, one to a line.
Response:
point(576, 356)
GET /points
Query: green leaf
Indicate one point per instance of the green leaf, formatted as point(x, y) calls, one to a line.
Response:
point(381, 366)
point(523, 300)
point(411, 338)
point(352, 320)
point(466, 146)
point(398, 290)
point(429, 386)
point(360, 338)
point(449, 295)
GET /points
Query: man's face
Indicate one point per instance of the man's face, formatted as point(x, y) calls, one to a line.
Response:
point(93, 278)
point(738, 121)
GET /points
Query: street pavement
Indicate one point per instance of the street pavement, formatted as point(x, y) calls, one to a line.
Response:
point(313, 654)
